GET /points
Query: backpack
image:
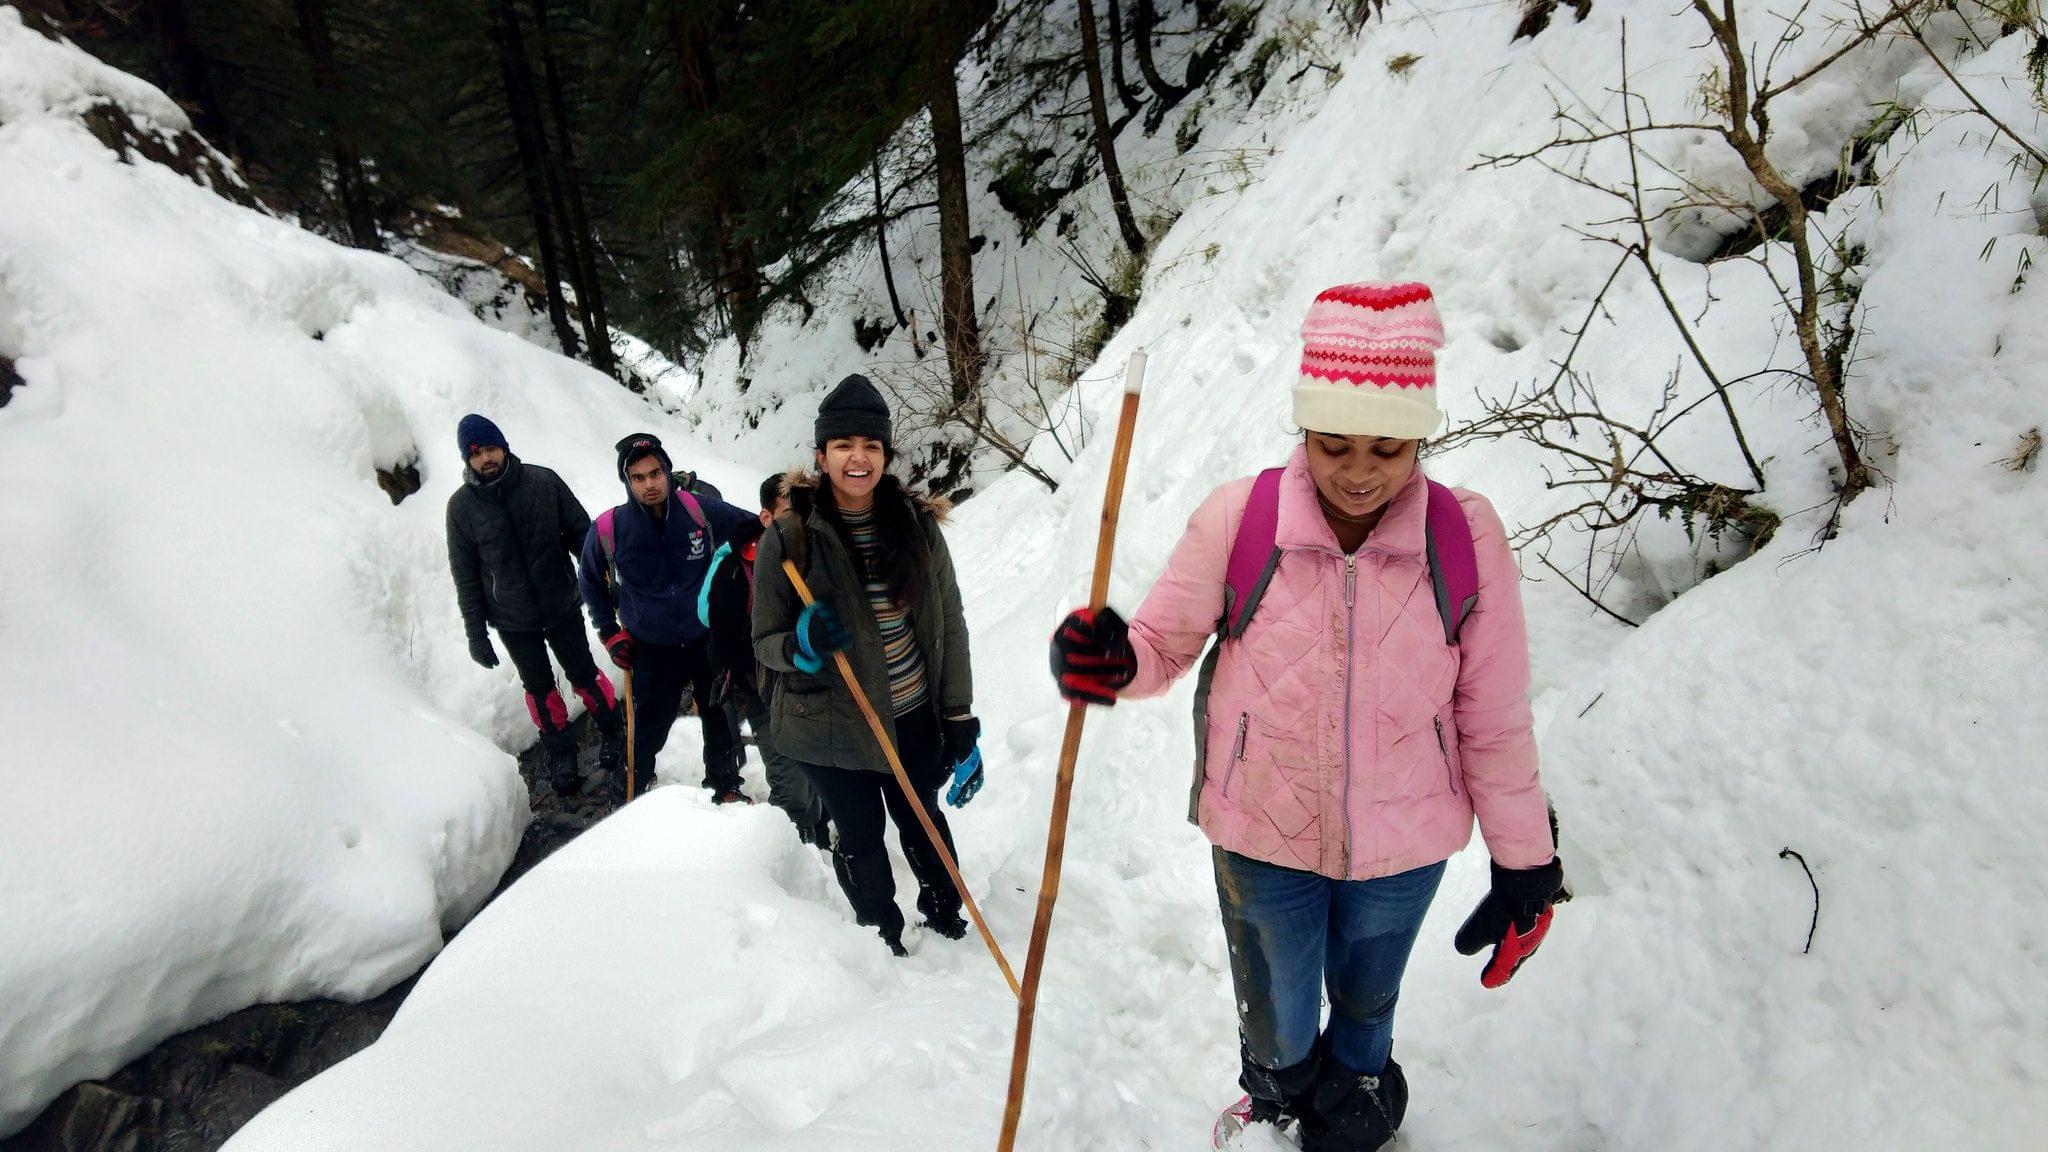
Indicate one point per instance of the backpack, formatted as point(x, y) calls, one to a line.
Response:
point(607, 534)
point(1254, 556)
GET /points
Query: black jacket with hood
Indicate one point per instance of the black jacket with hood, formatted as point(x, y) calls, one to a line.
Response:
point(511, 545)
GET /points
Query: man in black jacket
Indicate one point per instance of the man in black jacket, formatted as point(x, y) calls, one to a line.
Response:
point(513, 528)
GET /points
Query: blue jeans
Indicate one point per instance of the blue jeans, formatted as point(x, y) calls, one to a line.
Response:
point(1292, 933)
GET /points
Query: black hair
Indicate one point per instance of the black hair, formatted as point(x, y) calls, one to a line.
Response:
point(772, 489)
point(903, 558)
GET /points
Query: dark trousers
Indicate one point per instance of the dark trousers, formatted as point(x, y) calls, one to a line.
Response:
point(859, 801)
point(789, 788)
point(660, 674)
point(529, 652)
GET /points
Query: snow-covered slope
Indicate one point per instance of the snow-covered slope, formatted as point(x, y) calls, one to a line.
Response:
point(245, 754)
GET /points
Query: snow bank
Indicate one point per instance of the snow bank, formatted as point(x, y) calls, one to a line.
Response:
point(245, 754)
point(687, 978)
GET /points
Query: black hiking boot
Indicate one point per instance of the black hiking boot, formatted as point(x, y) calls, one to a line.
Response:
point(611, 745)
point(730, 796)
point(1351, 1112)
point(942, 914)
point(564, 775)
point(615, 785)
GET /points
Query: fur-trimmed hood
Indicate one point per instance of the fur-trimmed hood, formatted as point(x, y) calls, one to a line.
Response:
point(801, 486)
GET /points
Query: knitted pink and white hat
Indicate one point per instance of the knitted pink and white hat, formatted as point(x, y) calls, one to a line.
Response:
point(1368, 362)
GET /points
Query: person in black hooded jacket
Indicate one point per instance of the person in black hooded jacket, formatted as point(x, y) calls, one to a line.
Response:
point(513, 528)
point(726, 606)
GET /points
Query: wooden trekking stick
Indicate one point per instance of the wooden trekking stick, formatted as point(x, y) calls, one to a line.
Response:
point(1070, 749)
point(931, 831)
point(629, 733)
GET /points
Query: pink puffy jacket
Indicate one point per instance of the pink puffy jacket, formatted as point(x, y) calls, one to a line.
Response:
point(1342, 735)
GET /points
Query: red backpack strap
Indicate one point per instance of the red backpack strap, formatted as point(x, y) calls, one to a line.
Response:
point(1453, 562)
point(1253, 555)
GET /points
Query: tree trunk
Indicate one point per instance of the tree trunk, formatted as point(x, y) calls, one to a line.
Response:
point(583, 245)
point(524, 110)
point(738, 286)
point(348, 165)
point(956, 259)
point(188, 73)
point(1105, 143)
point(882, 245)
point(1148, 18)
point(1124, 93)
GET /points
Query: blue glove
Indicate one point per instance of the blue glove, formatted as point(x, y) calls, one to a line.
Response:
point(819, 633)
point(967, 778)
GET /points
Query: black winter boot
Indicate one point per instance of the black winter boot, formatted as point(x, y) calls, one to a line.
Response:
point(937, 899)
point(1353, 1112)
point(611, 742)
point(871, 889)
point(564, 776)
point(942, 913)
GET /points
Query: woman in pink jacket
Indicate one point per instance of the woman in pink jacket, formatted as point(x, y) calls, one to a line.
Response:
point(1348, 736)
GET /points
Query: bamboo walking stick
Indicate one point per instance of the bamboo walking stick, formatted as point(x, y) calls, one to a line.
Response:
point(1070, 749)
point(931, 831)
point(630, 741)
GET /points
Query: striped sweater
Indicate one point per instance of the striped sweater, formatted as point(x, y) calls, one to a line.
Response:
point(907, 689)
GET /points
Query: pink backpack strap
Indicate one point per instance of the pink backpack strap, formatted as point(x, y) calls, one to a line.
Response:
point(607, 538)
point(1453, 562)
point(1253, 554)
point(695, 509)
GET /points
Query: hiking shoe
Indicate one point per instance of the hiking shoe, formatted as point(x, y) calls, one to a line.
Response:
point(611, 750)
point(730, 796)
point(563, 774)
point(951, 926)
point(1242, 1115)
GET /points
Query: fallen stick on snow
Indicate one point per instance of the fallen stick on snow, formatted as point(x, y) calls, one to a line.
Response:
point(1815, 926)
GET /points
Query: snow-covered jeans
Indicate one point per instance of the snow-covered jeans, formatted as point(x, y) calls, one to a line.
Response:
point(1292, 934)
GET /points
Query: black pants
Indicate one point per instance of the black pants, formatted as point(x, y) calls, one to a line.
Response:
point(857, 801)
point(529, 652)
point(660, 673)
point(789, 788)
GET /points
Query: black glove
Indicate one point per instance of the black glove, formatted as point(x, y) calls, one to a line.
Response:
point(480, 650)
point(1092, 656)
point(961, 733)
point(1512, 919)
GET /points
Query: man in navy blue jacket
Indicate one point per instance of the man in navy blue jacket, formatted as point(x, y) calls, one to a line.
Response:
point(643, 565)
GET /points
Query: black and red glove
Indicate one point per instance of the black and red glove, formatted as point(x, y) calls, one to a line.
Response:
point(1092, 656)
point(1512, 919)
point(620, 645)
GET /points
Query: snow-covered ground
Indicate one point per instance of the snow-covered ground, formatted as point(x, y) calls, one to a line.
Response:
point(246, 755)
point(687, 977)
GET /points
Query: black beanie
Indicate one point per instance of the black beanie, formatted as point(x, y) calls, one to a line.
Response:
point(854, 408)
point(641, 444)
